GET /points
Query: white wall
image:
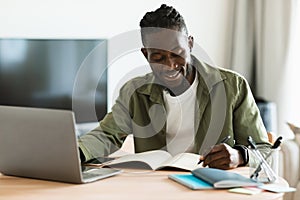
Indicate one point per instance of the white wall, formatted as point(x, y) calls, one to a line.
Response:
point(207, 21)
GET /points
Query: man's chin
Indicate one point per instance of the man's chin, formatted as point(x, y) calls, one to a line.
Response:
point(172, 84)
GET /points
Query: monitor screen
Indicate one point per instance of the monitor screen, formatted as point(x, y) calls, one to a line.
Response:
point(44, 73)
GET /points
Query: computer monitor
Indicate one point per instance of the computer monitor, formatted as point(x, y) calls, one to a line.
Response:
point(44, 73)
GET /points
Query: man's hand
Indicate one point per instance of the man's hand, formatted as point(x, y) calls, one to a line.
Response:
point(222, 156)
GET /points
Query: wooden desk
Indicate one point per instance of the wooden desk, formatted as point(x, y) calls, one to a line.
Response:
point(132, 184)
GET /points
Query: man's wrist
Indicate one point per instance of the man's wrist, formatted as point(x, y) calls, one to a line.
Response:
point(243, 152)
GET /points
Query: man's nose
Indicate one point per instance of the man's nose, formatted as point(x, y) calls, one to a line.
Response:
point(171, 63)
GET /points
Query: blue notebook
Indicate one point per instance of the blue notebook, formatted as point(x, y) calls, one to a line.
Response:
point(223, 178)
point(190, 181)
point(208, 178)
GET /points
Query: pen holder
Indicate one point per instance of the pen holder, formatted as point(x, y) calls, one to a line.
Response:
point(263, 164)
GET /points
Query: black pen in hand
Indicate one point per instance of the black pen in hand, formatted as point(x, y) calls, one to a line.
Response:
point(225, 139)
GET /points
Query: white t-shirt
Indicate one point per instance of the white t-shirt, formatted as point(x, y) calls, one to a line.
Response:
point(180, 119)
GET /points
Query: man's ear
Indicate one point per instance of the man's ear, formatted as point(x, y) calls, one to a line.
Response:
point(191, 42)
point(144, 51)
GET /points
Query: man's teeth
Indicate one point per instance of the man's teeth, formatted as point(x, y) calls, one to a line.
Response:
point(174, 74)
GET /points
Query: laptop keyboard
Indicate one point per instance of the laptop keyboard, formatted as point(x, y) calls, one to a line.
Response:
point(87, 174)
point(98, 172)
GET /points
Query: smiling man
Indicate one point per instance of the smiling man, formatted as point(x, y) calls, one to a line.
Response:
point(184, 105)
point(168, 52)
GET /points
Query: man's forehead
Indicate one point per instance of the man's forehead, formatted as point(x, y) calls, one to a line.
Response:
point(165, 39)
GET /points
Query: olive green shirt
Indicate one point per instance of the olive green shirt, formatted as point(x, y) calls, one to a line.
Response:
point(225, 106)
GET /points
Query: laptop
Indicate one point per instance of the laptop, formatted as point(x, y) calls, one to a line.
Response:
point(42, 144)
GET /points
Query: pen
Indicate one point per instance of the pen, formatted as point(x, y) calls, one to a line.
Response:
point(225, 139)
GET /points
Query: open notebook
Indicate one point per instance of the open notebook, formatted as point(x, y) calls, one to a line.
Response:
point(156, 159)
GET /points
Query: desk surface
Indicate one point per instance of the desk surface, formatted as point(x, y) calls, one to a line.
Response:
point(137, 184)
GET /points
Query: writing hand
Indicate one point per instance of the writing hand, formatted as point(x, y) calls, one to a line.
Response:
point(225, 139)
point(222, 156)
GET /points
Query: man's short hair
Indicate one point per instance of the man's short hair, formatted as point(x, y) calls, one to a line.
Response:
point(163, 17)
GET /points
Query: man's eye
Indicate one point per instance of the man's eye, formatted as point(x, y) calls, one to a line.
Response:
point(175, 55)
point(157, 58)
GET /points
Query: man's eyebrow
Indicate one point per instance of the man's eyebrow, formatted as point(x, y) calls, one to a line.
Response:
point(174, 50)
point(156, 51)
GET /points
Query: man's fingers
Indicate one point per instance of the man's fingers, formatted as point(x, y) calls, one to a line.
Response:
point(217, 148)
point(222, 156)
point(216, 157)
